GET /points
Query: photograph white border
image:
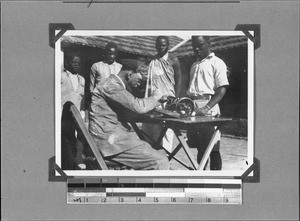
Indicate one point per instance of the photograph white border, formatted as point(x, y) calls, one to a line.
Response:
point(154, 173)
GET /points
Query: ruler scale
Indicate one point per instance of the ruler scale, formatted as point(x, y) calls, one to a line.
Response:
point(153, 191)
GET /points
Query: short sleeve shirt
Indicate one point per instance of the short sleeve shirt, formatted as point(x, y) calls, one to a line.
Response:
point(207, 75)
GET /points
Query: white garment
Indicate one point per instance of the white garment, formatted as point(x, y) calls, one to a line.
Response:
point(207, 75)
point(72, 89)
point(162, 76)
point(74, 80)
point(168, 140)
point(101, 71)
point(213, 112)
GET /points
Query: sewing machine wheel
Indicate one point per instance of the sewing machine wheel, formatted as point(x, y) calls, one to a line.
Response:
point(185, 106)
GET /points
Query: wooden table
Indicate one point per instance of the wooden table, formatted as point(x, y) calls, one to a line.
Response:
point(177, 125)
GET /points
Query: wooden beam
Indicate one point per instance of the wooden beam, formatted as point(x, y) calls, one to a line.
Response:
point(186, 148)
point(88, 137)
point(208, 150)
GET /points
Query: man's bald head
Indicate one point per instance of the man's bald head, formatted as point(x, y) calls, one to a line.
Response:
point(132, 72)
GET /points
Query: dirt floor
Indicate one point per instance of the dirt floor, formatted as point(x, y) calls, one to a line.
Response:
point(233, 152)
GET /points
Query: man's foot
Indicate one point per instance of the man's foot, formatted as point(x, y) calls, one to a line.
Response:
point(215, 161)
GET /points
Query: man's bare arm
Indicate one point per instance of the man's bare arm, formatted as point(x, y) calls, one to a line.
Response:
point(177, 72)
point(216, 98)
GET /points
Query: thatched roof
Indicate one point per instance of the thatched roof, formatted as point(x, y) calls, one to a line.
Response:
point(218, 43)
point(145, 45)
point(138, 45)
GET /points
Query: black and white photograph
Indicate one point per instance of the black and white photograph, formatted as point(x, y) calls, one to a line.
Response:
point(149, 110)
point(154, 103)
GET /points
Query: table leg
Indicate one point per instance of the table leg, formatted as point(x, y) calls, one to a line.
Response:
point(208, 150)
point(137, 130)
point(157, 143)
point(175, 151)
point(186, 148)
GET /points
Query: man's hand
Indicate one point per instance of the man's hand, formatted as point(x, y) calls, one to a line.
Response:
point(163, 99)
point(157, 94)
point(202, 111)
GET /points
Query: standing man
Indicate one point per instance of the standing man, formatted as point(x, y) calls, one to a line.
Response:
point(208, 82)
point(72, 90)
point(102, 69)
point(72, 83)
point(165, 75)
point(112, 102)
point(165, 69)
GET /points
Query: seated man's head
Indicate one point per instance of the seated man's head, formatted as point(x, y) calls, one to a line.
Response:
point(111, 52)
point(73, 63)
point(133, 70)
point(162, 45)
point(134, 79)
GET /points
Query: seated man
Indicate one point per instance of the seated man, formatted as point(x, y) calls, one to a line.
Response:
point(111, 99)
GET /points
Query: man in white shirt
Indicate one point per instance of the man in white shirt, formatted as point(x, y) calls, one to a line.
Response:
point(101, 70)
point(72, 90)
point(208, 82)
point(72, 83)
